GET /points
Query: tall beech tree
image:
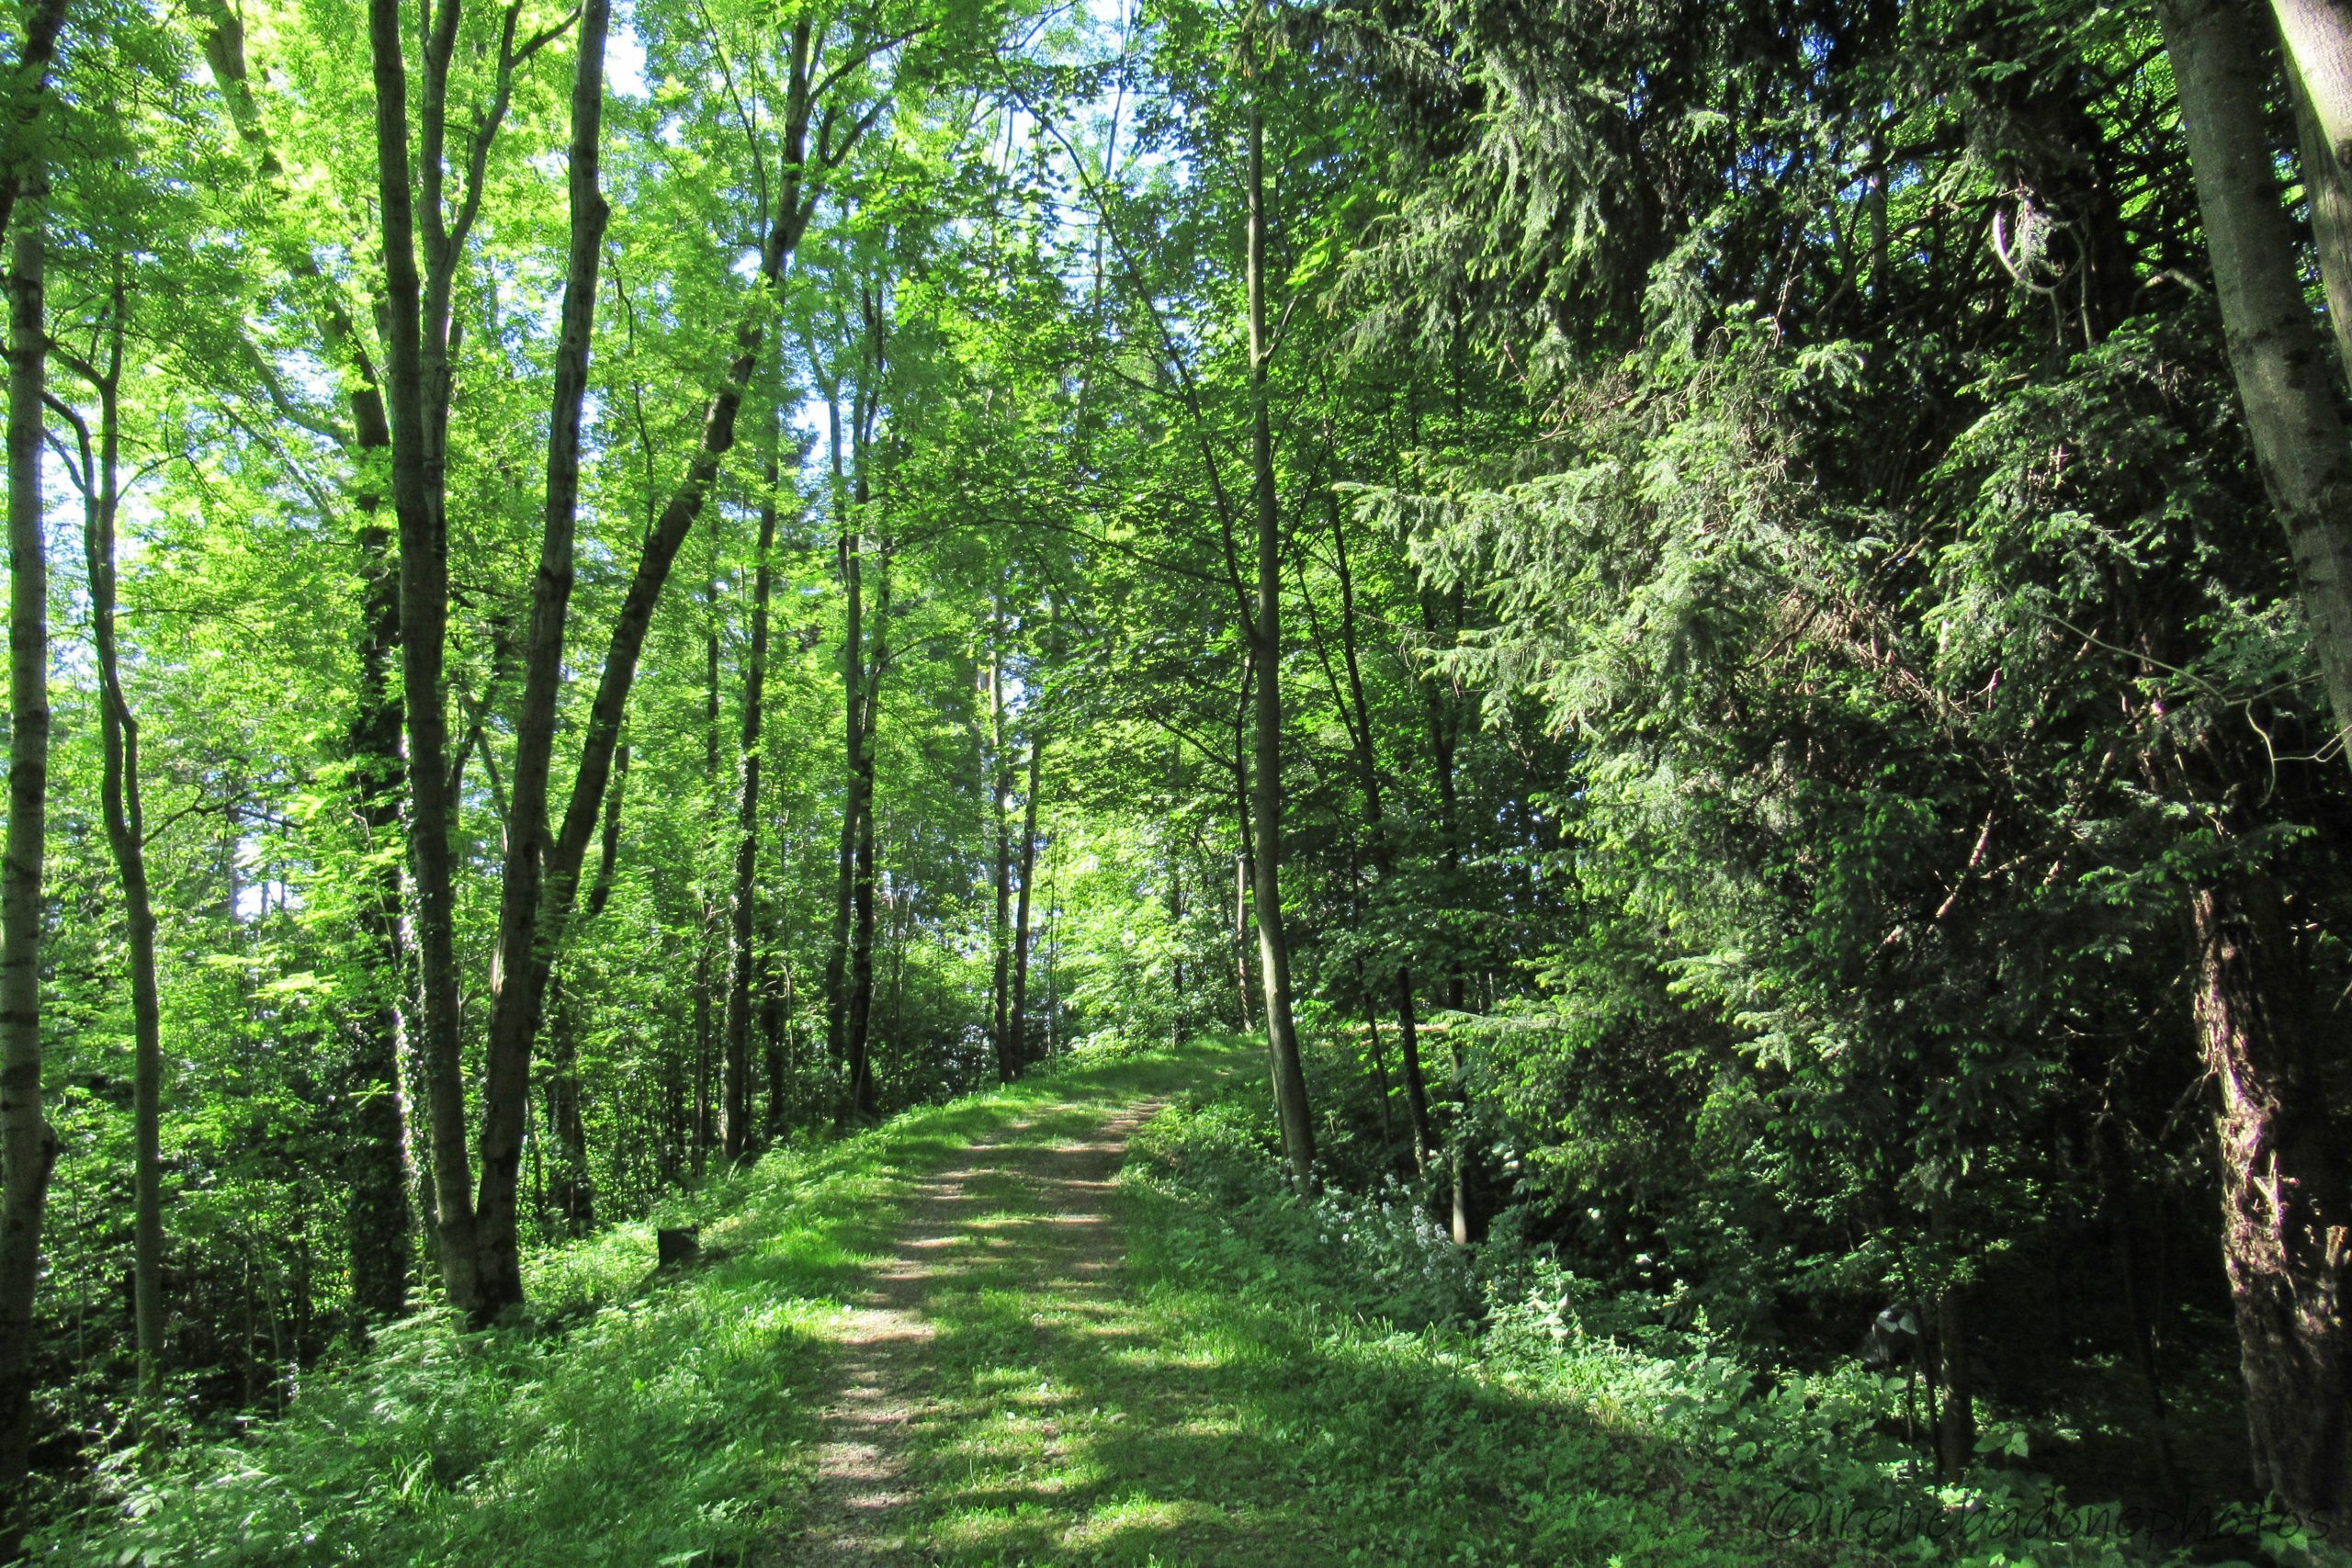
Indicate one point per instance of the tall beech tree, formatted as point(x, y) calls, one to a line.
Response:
point(30, 1146)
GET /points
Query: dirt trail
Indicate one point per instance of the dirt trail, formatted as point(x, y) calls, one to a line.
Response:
point(1067, 1239)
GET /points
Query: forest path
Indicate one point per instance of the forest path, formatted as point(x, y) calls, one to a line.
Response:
point(1039, 1204)
point(1044, 1364)
point(1011, 1387)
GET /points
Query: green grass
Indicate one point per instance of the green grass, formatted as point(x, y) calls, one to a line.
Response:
point(670, 1421)
point(1202, 1405)
point(1148, 1372)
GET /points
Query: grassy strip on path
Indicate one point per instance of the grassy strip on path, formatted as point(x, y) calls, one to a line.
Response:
point(640, 1423)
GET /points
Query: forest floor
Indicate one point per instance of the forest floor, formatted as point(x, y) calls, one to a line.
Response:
point(1048, 1366)
point(989, 1332)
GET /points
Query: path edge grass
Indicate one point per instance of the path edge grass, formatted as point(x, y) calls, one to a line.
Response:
point(624, 1417)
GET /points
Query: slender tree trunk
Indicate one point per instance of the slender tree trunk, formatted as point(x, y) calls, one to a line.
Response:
point(1383, 858)
point(2286, 1223)
point(1020, 1020)
point(2318, 34)
point(999, 808)
point(1273, 943)
point(707, 933)
point(777, 998)
point(1956, 1417)
point(775, 1029)
point(127, 837)
point(1443, 743)
point(1178, 995)
point(2275, 347)
point(852, 551)
point(1379, 1063)
point(864, 1103)
point(2329, 194)
point(743, 905)
point(377, 1215)
point(27, 1146)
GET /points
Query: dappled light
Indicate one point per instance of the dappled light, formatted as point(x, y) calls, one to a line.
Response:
point(1028, 782)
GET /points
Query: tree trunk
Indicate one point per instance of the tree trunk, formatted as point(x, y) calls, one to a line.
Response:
point(1443, 744)
point(743, 904)
point(777, 998)
point(23, 176)
point(1273, 944)
point(2275, 347)
point(853, 566)
point(864, 1103)
point(376, 1218)
point(2328, 190)
point(775, 1029)
point(2284, 1211)
point(1020, 1021)
point(417, 474)
point(524, 959)
point(2318, 35)
point(706, 933)
point(1383, 859)
point(27, 1146)
point(126, 821)
point(1955, 1419)
point(999, 808)
point(1379, 1063)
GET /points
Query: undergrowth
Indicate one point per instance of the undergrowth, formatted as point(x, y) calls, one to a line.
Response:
point(1812, 1463)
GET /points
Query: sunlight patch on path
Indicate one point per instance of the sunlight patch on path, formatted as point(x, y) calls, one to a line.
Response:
point(1008, 1220)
